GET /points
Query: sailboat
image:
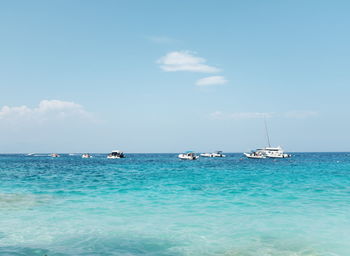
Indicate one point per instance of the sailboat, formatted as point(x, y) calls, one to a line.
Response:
point(267, 152)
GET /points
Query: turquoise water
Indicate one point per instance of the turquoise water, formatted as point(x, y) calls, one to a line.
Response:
point(155, 204)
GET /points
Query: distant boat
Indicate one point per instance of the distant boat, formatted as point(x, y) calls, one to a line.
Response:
point(214, 154)
point(257, 154)
point(30, 154)
point(267, 152)
point(86, 155)
point(188, 155)
point(276, 152)
point(55, 155)
point(116, 154)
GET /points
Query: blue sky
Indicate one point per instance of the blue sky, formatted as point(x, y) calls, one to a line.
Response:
point(168, 76)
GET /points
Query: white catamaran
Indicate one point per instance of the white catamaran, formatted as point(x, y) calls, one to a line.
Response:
point(267, 152)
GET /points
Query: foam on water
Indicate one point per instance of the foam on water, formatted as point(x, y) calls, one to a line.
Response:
point(157, 205)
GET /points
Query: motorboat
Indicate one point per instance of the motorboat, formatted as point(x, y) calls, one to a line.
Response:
point(255, 154)
point(188, 155)
point(116, 154)
point(55, 155)
point(214, 154)
point(86, 155)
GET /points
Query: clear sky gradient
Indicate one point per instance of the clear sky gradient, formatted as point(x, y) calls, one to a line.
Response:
point(169, 76)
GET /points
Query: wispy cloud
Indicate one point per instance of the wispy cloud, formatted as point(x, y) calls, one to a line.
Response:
point(253, 115)
point(239, 115)
point(211, 80)
point(46, 110)
point(185, 61)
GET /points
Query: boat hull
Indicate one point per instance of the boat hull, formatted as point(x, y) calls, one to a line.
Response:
point(212, 155)
point(186, 157)
point(254, 156)
point(279, 156)
point(115, 157)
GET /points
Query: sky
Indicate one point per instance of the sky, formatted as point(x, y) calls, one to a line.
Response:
point(169, 76)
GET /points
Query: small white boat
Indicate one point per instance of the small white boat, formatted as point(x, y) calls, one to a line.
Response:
point(214, 154)
point(86, 155)
point(255, 155)
point(188, 155)
point(30, 154)
point(55, 155)
point(116, 154)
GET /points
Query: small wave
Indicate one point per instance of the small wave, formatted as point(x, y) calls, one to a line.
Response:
point(26, 251)
point(277, 247)
point(21, 201)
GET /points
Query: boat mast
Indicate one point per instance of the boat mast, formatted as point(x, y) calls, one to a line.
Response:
point(267, 132)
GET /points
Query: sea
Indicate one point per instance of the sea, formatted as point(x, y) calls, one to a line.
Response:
point(156, 204)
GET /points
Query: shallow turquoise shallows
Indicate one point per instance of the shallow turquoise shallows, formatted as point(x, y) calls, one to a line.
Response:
point(155, 204)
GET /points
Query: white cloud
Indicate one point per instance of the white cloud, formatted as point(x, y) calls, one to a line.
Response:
point(217, 115)
point(46, 110)
point(52, 125)
point(185, 61)
point(211, 80)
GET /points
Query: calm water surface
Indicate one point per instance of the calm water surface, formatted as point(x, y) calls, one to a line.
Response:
point(155, 204)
